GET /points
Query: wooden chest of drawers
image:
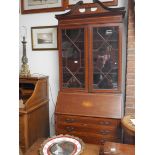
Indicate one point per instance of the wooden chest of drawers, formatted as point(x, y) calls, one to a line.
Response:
point(89, 129)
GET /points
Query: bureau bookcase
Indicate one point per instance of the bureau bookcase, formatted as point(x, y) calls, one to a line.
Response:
point(89, 103)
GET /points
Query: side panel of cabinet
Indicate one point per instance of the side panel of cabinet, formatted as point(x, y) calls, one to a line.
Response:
point(105, 58)
point(73, 58)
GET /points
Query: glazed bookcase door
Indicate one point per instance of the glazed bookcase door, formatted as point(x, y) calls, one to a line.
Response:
point(105, 59)
point(73, 58)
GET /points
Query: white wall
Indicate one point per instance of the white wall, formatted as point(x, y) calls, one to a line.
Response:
point(43, 62)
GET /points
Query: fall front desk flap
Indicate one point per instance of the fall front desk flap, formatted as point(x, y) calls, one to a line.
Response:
point(89, 104)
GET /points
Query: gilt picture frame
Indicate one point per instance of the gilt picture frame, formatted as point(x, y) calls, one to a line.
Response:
point(44, 38)
point(40, 6)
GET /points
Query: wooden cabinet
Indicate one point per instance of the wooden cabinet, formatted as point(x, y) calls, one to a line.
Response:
point(89, 103)
point(34, 114)
point(91, 129)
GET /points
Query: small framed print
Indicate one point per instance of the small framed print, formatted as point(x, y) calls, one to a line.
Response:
point(44, 38)
point(71, 2)
point(106, 2)
point(38, 6)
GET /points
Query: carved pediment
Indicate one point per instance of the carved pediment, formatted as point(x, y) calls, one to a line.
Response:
point(81, 10)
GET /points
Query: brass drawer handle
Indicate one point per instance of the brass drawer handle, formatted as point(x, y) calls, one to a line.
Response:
point(70, 120)
point(104, 132)
point(102, 141)
point(105, 123)
point(69, 128)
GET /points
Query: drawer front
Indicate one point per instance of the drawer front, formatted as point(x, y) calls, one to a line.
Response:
point(87, 120)
point(87, 128)
point(90, 138)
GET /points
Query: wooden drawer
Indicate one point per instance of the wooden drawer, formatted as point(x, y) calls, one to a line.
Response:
point(87, 128)
point(90, 137)
point(87, 120)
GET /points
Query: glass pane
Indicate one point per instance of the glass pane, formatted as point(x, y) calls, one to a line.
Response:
point(105, 57)
point(73, 58)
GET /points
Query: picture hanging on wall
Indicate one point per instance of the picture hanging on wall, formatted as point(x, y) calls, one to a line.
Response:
point(39, 6)
point(75, 1)
point(106, 2)
point(44, 38)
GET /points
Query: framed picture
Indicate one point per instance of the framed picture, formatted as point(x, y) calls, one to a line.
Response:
point(71, 2)
point(44, 38)
point(106, 2)
point(38, 6)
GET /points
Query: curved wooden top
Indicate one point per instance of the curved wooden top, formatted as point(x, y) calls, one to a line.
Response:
point(128, 126)
point(100, 10)
point(34, 92)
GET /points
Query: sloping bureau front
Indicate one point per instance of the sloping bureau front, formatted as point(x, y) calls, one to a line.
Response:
point(89, 104)
point(95, 118)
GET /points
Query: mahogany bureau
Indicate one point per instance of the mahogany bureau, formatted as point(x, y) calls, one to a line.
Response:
point(90, 100)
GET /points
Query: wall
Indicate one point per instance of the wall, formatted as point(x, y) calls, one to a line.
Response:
point(44, 62)
point(130, 78)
